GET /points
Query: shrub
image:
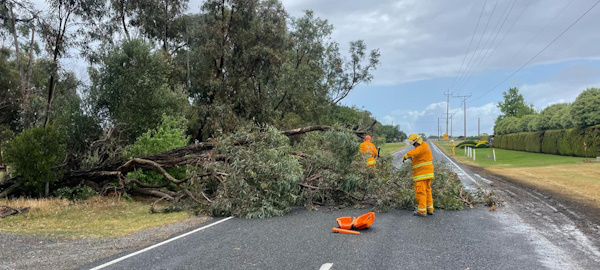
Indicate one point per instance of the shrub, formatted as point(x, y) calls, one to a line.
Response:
point(567, 142)
point(586, 108)
point(460, 145)
point(77, 193)
point(168, 135)
point(35, 155)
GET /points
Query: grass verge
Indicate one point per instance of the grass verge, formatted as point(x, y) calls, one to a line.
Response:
point(390, 148)
point(96, 217)
point(567, 176)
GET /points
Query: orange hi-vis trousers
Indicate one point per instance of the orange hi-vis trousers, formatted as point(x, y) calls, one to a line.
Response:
point(423, 196)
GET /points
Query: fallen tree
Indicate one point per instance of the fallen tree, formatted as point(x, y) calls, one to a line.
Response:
point(256, 172)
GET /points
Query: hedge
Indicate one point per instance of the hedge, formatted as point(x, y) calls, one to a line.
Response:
point(566, 142)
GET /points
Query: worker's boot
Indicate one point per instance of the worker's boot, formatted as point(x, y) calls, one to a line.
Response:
point(419, 215)
point(430, 213)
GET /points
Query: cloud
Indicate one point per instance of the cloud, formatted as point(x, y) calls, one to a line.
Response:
point(420, 40)
point(426, 121)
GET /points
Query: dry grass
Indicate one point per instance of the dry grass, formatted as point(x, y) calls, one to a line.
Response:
point(96, 217)
point(567, 176)
point(579, 181)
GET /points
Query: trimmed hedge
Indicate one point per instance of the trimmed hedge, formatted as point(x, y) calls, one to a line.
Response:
point(565, 142)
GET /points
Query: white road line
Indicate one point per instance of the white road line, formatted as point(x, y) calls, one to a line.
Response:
point(470, 178)
point(326, 266)
point(159, 244)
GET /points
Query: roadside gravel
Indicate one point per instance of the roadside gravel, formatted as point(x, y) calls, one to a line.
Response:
point(35, 252)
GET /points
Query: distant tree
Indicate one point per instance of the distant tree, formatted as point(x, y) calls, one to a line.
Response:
point(544, 122)
point(391, 133)
point(585, 110)
point(557, 118)
point(523, 122)
point(514, 104)
point(564, 117)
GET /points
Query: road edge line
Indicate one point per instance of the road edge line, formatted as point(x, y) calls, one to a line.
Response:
point(157, 245)
point(444, 154)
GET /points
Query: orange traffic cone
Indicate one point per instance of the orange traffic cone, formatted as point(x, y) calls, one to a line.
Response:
point(347, 223)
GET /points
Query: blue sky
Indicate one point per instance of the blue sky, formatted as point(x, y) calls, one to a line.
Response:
point(426, 45)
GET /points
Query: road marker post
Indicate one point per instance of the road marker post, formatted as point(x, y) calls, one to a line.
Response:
point(474, 154)
point(494, 152)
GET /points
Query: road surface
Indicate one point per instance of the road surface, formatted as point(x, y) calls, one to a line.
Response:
point(532, 231)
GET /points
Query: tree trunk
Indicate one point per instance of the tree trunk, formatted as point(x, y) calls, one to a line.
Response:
point(13, 28)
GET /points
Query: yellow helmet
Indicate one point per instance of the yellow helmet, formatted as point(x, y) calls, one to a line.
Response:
point(415, 138)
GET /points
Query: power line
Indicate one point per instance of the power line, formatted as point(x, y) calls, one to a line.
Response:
point(479, 42)
point(540, 52)
point(505, 16)
point(470, 43)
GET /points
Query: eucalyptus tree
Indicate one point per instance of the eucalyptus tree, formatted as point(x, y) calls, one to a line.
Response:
point(301, 88)
point(129, 88)
point(19, 19)
point(59, 35)
point(237, 51)
point(344, 75)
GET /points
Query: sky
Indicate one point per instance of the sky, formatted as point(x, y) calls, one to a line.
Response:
point(476, 49)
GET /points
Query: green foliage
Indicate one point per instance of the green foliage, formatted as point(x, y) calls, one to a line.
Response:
point(567, 142)
point(514, 104)
point(169, 134)
point(482, 144)
point(36, 155)
point(585, 110)
point(469, 143)
point(130, 88)
point(391, 133)
point(77, 193)
point(262, 177)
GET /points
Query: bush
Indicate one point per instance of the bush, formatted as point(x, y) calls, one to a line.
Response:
point(35, 155)
point(460, 145)
point(586, 108)
point(77, 193)
point(169, 134)
point(567, 142)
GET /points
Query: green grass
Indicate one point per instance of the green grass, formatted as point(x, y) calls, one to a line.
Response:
point(509, 158)
point(390, 148)
point(96, 217)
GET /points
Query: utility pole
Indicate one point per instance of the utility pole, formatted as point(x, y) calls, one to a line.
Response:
point(478, 126)
point(450, 116)
point(464, 112)
point(447, 108)
point(438, 128)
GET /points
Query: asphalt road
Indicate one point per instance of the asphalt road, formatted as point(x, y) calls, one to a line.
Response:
point(468, 239)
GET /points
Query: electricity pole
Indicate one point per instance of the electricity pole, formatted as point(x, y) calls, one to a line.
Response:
point(450, 115)
point(464, 112)
point(447, 108)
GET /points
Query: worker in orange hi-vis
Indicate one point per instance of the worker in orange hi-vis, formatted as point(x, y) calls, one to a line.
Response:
point(367, 147)
point(422, 174)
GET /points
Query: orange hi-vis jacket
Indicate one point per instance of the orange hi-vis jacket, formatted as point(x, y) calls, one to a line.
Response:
point(422, 165)
point(369, 147)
